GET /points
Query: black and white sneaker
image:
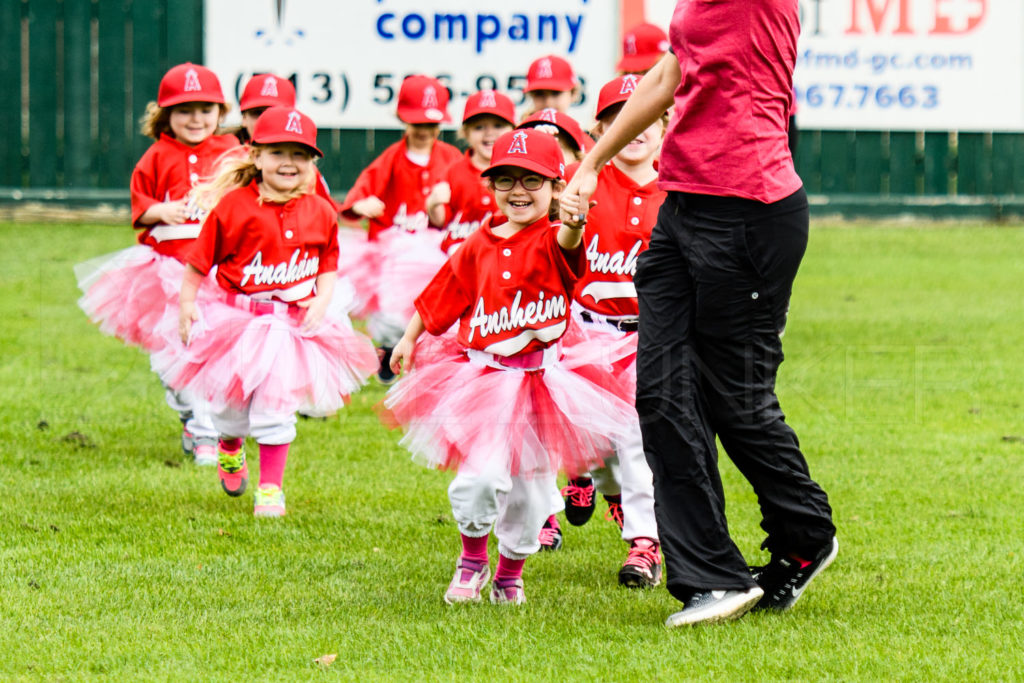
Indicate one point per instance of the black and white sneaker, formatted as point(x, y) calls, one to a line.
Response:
point(579, 500)
point(710, 607)
point(785, 578)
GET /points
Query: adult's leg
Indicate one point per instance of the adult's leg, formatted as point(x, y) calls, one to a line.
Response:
point(743, 294)
point(678, 440)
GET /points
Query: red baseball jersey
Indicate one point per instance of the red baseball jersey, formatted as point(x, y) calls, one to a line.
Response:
point(167, 172)
point(472, 202)
point(401, 184)
point(618, 230)
point(510, 295)
point(265, 249)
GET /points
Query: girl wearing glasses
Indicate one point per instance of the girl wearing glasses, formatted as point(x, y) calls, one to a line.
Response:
point(504, 409)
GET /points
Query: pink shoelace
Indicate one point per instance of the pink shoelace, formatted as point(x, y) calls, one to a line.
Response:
point(579, 496)
point(643, 554)
point(614, 513)
point(547, 535)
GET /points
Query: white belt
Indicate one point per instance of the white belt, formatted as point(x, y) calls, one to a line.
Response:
point(182, 231)
point(596, 318)
point(538, 360)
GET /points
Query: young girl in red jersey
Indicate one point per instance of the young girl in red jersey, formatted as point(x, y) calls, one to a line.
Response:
point(503, 408)
point(269, 339)
point(261, 92)
point(128, 292)
point(404, 253)
point(605, 307)
point(462, 200)
point(551, 83)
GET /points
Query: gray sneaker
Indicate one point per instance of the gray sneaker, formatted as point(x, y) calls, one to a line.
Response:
point(709, 607)
point(205, 452)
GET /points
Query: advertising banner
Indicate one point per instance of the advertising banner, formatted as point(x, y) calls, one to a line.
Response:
point(348, 58)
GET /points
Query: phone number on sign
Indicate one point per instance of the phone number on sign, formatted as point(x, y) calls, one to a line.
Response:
point(325, 88)
point(846, 96)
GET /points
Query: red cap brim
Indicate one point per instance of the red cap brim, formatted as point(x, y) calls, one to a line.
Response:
point(274, 139)
point(527, 164)
point(635, 63)
point(556, 84)
point(420, 115)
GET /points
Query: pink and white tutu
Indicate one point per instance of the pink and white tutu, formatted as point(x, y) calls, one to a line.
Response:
point(623, 366)
point(359, 260)
point(390, 272)
point(461, 411)
point(129, 292)
point(248, 354)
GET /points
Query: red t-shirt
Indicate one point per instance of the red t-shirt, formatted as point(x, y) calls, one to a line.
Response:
point(618, 230)
point(472, 202)
point(265, 249)
point(510, 295)
point(728, 135)
point(167, 172)
point(401, 184)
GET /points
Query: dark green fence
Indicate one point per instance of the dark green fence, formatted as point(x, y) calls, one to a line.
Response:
point(75, 77)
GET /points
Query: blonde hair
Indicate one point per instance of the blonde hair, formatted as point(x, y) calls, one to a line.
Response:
point(235, 172)
point(157, 120)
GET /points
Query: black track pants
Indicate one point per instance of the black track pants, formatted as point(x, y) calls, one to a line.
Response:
point(714, 290)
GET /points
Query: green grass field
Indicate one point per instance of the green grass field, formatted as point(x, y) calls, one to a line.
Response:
point(121, 560)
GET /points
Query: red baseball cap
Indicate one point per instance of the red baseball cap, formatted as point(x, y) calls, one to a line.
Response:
point(189, 82)
point(530, 149)
point(490, 102)
point(550, 73)
point(423, 99)
point(285, 124)
point(563, 122)
point(267, 90)
point(615, 92)
point(642, 46)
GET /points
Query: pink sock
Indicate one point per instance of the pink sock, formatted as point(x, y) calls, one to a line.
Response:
point(475, 548)
point(230, 445)
point(272, 461)
point(508, 568)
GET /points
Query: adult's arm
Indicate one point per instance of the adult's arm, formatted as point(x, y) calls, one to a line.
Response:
point(653, 96)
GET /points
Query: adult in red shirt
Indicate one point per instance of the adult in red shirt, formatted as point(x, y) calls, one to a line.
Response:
point(714, 288)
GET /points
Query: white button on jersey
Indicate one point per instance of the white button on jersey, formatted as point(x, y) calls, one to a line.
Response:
point(194, 177)
point(192, 158)
point(506, 275)
point(288, 234)
point(634, 220)
point(506, 252)
point(637, 201)
point(485, 201)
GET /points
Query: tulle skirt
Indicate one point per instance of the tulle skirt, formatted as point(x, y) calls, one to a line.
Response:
point(390, 272)
point(459, 413)
point(245, 354)
point(129, 292)
point(623, 366)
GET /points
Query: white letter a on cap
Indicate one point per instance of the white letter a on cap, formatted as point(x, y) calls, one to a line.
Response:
point(518, 145)
point(294, 124)
point(192, 81)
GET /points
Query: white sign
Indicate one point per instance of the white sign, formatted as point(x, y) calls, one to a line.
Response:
point(906, 64)
point(348, 58)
